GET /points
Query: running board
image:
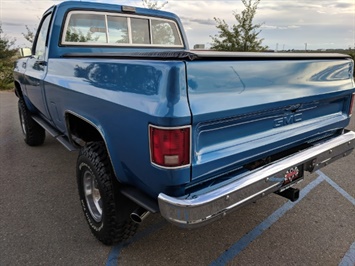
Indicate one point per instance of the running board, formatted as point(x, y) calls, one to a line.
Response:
point(55, 133)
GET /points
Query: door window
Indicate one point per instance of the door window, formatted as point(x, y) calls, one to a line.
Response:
point(41, 39)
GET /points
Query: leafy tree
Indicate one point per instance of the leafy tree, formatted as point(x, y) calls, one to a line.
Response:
point(162, 33)
point(242, 36)
point(7, 59)
point(30, 35)
point(74, 35)
point(153, 4)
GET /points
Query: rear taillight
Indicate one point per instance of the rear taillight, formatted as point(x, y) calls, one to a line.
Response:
point(351, 104)
point(170, 147)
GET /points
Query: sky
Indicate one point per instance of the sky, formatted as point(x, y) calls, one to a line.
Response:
point(286, 25)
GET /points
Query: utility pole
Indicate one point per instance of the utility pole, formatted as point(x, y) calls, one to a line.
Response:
point(305, 47)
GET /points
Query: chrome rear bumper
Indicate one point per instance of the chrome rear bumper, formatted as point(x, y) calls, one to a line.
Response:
point(196, 211)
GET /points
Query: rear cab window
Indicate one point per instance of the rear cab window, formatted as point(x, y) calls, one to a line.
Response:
point(114, 29)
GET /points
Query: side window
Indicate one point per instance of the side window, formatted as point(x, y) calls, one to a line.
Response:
point(40, 45)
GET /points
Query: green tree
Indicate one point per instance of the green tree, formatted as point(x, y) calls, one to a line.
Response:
point(30, 34)
point(74, 35)
point(242, 36)
point(153, 4)
point(161, 31)
point(7, 59)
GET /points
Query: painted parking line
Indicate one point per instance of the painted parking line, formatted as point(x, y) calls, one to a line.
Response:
point(240, 245)
point(257, 231)
point(349, 258)
point(116, 250)
point(337, 187)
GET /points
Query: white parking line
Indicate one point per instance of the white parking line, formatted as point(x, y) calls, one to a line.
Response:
point(337, 187)
point(244, 242)
point(240, 245)
point(349, 258)
point(116, 250)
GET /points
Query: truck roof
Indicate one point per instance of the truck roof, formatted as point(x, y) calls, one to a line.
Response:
point(85, 5)
point(57, 48)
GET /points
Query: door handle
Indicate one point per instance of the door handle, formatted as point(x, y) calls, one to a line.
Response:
point(41, 63)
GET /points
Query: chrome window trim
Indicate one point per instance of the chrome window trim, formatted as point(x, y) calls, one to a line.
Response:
point(129, 28)
point(150, 31)
point(128, 16)
point(169, 128)
point(107, 34)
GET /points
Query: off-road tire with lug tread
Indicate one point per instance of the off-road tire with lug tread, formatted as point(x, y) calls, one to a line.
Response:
point(34, 134)
point(98, 190)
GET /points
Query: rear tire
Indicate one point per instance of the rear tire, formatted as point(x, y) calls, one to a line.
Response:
point(106, 210)
point(34, 134)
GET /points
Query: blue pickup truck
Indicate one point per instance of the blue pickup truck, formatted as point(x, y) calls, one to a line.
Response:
point(191, 135)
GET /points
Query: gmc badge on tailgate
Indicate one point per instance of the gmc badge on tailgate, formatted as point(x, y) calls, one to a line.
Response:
point(287, 120)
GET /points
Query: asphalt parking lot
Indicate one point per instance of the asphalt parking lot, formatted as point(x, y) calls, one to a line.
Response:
point(41, 221)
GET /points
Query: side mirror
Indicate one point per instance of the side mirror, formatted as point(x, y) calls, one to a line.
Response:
point(25, 52)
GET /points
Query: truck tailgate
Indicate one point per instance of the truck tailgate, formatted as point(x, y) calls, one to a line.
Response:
point(244, 110)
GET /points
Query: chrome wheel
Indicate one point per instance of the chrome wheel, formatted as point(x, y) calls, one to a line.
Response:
point(105, 208)
point(92, 196)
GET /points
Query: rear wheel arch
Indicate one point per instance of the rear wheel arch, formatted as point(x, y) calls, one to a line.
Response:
point(82, 131)
point(108, 218)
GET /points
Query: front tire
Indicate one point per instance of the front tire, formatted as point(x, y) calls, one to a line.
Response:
point(33, 134)
point(105, 209)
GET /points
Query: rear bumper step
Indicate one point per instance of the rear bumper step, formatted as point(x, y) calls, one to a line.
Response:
point(190, 212)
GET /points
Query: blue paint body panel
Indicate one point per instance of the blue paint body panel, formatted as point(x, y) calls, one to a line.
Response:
point(240, 110)
point(122, 105)
point(247, 110)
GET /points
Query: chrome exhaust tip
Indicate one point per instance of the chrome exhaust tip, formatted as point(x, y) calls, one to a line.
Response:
point(139, 215)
